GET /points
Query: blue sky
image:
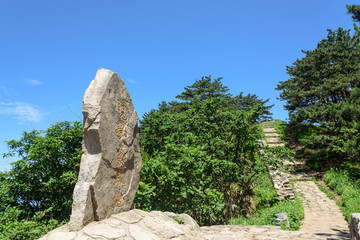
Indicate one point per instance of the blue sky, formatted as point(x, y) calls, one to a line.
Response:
point(51, 50)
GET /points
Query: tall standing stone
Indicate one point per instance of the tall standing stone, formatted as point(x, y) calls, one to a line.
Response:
point(111, 161)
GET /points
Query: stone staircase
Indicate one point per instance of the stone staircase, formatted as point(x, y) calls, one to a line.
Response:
point(272, 137)
point(280, 179)
point(323, 217)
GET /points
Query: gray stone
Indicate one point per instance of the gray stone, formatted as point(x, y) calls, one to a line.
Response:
point(131, 217)
point(262, 143)
point(160, 224)
point(133, 224)
point(281, 217)
point(185, 218)
point(141, 233)
point(111, 160)
point(355, 226)
point(60, 233)
point(141, 230)
point(189, 221)
point(261, 152)
point(105, 230)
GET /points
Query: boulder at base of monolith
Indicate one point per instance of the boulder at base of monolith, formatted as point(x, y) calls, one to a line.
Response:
point(111, 161)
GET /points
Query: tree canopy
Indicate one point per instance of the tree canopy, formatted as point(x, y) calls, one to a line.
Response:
point(207, 88)
point(204, 89)
point(45, 175)
point(200, 154)
point(354, 10)
point(322, 91)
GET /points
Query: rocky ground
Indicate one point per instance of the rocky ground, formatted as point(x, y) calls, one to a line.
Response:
point(140, 225)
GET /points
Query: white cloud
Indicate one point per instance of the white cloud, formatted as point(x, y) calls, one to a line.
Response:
point(32, 82)
point(5, 90)
point(130, 80)
point(23, 112)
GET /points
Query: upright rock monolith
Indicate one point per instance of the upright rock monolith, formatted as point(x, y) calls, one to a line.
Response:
point(111, 161)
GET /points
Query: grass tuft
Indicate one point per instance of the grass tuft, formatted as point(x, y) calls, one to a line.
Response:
point(345, 181)
point(266, 216)
point(267, 205)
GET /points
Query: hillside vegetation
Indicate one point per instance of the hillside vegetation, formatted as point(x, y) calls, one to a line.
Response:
point(200, 153)
point(323, 99)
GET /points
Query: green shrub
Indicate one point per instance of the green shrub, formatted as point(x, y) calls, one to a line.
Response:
point(265, 195)
point(280, 127)
point(45, 175)
point(12, 227)
point(200, 154)
point(266, 216)
point(345, 181)
point(267, 205)
point(205, 165)
point(36, 193)
point(325, 190)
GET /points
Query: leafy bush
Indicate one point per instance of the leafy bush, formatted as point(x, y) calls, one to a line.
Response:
point(12, 227)
point(328, 192)
point(345, 181)
point(266, 216)
point(265, 195)
point(267, 203)
point(206, 164)
point(36, 194)
point(46, 173)
point(200, 155)
point(280, 128)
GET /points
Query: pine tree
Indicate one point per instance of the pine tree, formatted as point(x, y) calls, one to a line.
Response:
point(320, 86)
point(204, 89)
point(354, 10)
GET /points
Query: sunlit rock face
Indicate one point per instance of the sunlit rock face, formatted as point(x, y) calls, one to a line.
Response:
point(111, 161)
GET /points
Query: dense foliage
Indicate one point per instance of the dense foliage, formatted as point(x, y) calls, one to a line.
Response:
point(345, 181)
point(207, 88)
point(15, 227)
point(293, 209)
point(323, 94)
point(200, 154)
point(265, 200)
point(354, 10)
point(37, 191)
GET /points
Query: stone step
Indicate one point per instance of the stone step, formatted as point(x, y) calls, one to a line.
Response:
point(276, 145)
point(269, 130)
point(269, 135)
point(274, 140)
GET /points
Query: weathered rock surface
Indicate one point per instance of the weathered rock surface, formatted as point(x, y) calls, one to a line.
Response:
point(133, 225)
point(139, 225)
point(111, 160)
point(355, 226)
